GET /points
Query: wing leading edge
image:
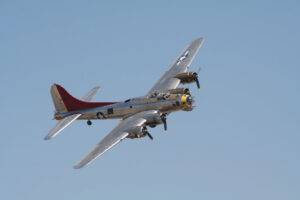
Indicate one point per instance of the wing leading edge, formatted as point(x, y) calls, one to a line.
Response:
point(181, 64)
point(114, 137)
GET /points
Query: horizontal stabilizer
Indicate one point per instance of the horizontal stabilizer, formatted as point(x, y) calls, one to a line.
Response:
point(61, 125)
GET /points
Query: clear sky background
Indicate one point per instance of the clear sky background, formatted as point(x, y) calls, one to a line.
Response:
point(242, 141)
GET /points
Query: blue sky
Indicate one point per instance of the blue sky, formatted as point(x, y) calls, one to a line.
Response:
point(242, 141)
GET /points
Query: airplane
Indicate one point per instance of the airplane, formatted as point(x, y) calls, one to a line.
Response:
point(137, 113)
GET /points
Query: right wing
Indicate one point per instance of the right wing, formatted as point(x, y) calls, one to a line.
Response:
point(114, 137)
point(61, 124)
point(181, 64)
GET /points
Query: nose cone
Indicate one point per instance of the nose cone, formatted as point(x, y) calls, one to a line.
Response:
point(187, 102)
point(190, 100)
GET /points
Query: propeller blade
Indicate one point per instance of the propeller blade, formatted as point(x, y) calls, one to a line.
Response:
point(196, 80)
point(146, 132)
point(165, 126)
point(164, 121)
point(197, 83)
point(149, 135)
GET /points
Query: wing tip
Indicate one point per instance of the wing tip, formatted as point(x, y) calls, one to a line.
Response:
point(50, 136)
point(47, 137)
point(199, 40)
point(80, 165)
point(77, 166)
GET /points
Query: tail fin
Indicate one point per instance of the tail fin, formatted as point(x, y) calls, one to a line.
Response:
point(57, 99)
point(65, 102)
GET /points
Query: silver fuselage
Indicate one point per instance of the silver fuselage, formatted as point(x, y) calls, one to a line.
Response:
point(163, 103)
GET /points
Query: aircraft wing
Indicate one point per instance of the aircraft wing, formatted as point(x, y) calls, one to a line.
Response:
point(114, 137)
point(61, 124)
point(181, 64)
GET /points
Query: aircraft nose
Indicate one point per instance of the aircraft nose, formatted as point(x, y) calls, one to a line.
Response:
point(190, 100)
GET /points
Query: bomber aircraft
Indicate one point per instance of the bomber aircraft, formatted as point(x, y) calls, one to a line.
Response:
point(136, 114)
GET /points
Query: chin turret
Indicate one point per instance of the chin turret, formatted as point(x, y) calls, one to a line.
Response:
point(187, 102)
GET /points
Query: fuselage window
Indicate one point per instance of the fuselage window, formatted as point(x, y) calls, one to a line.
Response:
point(110, 111)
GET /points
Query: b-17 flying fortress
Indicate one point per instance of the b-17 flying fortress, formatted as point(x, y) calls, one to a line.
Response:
point(137, 113)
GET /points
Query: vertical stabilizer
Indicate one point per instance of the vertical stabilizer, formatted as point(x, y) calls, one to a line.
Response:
point(57, 100)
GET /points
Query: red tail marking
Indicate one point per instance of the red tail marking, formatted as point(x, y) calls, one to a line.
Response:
point(73, 104)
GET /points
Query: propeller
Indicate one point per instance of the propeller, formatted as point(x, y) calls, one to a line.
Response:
point(163, 118)
point(196, 77)
point(149, 135)
point(145, 131)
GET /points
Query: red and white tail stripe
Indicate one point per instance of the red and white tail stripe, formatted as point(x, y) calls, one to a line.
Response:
point(65, 102)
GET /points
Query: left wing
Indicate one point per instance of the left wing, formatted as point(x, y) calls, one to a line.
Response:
point(167, 81)
point(114, 137)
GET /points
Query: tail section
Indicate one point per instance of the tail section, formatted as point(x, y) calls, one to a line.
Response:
point(61, 107)
point(65, 102)
point(57, 99)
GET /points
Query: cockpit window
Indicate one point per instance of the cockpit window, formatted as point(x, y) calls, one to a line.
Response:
point(127, 100)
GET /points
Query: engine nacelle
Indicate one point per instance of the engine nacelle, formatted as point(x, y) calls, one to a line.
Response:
point(137, 132)
point(188, 77)
point(153, 119)
point(179, 91)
